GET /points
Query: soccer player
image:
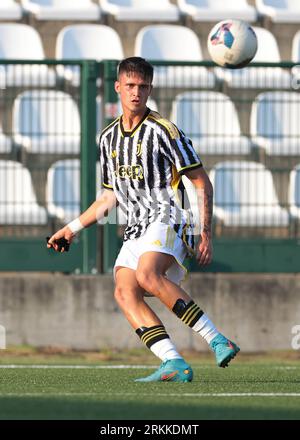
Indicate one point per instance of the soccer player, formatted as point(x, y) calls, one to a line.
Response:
point(143, 157)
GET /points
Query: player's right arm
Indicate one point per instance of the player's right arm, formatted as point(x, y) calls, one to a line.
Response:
point(99, 209)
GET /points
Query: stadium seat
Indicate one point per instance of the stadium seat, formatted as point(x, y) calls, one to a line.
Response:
point(296, 48)
point(63, 190)
point(215, 10)
point(62, 9)
point(294, 192)
point(245, 195)
point(259, 77)
point(10, 10)
point(86, 41)
point(22, 42)
point(17, 197)
point(275, 124)
point(140, 10)
point(280, 11)
point(5, 143)
point(46, 121)
point(176, 43)
point(210, 120)
point(296, 59)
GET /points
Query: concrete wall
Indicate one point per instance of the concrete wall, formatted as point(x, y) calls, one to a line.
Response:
point(41, 309)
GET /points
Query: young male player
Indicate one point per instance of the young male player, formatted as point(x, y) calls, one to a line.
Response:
point(143, 157)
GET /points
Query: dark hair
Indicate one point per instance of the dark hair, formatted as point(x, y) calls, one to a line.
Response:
point(136, 65)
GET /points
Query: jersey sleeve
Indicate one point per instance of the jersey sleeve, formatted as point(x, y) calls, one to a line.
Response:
point(104, 165)
point(178, 148)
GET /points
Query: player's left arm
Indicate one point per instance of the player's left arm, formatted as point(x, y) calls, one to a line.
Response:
point(204, 190)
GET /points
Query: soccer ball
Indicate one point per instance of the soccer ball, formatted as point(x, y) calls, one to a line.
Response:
point(232, 44)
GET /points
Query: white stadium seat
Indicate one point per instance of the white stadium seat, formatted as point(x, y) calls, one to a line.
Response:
point(22, 42)
point(62, 9)
point(210, 120)
point(259, 77)
point(5, 143)
point(296, 59)
point(63, 191)
point(10, 10)
point(280, 11)
point(245, 195)
point(140, 10)
point(275, 123)
point(176, 43)
point(17, 197)
point(46, 121)
point(296, 48)
point(294, 192)
point(216, 10)
point(86, 41)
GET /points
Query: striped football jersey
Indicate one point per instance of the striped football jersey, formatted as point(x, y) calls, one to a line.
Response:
point(144, 168)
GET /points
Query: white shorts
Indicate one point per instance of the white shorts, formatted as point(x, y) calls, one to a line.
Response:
point(158, 237)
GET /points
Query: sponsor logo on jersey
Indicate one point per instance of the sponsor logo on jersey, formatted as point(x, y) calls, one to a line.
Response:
point(130, 172)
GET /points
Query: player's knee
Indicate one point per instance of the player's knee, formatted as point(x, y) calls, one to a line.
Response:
point(120, 294)
point(124, 294)
point(148, 280)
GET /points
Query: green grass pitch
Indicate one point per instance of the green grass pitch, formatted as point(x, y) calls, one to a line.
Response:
point(85, 389)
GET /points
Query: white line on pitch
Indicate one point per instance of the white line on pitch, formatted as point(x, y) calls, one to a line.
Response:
point(47, 394)
point(92, 367)
point(118, 367)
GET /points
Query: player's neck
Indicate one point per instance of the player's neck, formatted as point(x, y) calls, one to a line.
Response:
point(132, 119)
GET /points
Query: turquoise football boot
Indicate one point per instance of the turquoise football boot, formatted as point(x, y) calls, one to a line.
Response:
point(224, 349)
point(173, 370)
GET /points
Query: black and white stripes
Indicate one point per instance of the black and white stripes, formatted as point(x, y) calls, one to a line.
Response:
point(143, 167)
point(151, 335)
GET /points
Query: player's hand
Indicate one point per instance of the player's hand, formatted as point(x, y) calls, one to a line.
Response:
point(64, 233)
point(204, 250)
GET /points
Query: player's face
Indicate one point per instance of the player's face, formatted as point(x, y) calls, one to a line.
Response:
point(134, 91)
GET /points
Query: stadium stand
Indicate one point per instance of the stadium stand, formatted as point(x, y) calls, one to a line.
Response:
point(216, 10)
point(275, 124)
point(140, 10)
point(254, 77)
point(86, 41)
point(17, 197)
point(10, 10)
point(176, 43)
point(211, 121)
point(280, 11)
point(46, 121)
point(294, 192)
point(245, 195)
point(22, 42)
point(62, 9)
